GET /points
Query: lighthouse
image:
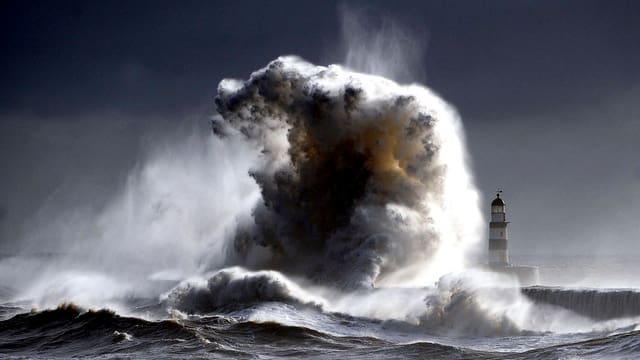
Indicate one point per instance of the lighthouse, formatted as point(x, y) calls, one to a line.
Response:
point(498, 236)
point(498, 252)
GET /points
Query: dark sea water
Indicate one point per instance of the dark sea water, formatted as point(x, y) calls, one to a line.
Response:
point(70, 332)
point(147, 329)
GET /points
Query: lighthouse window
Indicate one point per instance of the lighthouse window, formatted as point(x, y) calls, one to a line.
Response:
point(501, 233)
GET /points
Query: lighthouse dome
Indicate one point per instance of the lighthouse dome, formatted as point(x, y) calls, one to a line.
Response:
point(497, 201)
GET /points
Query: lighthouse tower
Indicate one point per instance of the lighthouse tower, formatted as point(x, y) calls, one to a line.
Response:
point(498, 255)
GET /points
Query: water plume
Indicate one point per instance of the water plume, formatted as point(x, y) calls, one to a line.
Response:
point(361, 178)
point(393, 50)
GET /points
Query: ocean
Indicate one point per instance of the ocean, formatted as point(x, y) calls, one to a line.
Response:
point(601, 323)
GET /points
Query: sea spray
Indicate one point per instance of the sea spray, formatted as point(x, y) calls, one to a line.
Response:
point(168, 221)
point(361, 178)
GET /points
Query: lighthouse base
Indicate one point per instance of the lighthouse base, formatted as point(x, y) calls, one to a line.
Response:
point(526, 275)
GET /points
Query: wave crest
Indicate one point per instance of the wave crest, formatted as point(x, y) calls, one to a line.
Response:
point(233, 287)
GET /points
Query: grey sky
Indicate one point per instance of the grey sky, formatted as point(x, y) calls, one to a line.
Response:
point(549, 92)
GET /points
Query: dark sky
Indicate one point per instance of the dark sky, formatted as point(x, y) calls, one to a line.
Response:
point(549, 92)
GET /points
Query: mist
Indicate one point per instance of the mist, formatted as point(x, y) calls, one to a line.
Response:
point(164, 219)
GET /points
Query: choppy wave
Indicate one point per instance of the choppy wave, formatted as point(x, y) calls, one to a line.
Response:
point(239, 313)
point(236, 287)
point(69, 331)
